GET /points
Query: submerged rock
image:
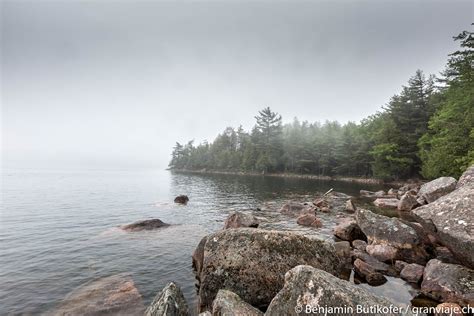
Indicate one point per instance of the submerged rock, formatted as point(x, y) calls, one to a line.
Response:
point(309, 220)
point(252, 263)
point(448, 283)
point(390, 239)
point(115, 294)
point(451, 219)
point(348, 230)
point(239, 219)
point(168, 302)
point(228, 303)
point(386, 203)
point(294, 208)
point(435, 189)
point(181, 199)
point(309, 288)
point(467, 178)
point(147, 224)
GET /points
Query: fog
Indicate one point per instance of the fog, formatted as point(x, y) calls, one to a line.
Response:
point(109, 84)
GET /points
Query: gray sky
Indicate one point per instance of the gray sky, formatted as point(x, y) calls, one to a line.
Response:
point(113, 84)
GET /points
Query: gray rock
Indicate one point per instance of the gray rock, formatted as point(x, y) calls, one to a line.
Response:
point(399, 265)
point(239, 219)
point(115, 294)
point(407, 201)
point(412, 272)
point(295, 208)
point(168, 302)
point(370, 194)
point(389, 234)
point(386, 202)
point(307, 287)
point(348, 230)
point(451, 219)
point(181, 199)
point(445, 255)
point(251, 262)
point(467, 178)
point(147, 224)
point(448, 283)
point(349, 206)
point(382, 252)
point(228, 303)
point(359, 244)
point(343, 250)
point(435, 189)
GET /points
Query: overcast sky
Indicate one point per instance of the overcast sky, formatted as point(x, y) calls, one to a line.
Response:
point(113, 84)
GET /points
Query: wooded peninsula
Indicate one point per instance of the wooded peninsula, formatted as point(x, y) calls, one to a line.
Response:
point(425, 131)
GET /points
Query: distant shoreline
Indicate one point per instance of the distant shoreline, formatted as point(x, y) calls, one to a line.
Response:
point(297, 176)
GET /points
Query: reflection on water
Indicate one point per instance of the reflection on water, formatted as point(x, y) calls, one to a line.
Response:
point(59, 229)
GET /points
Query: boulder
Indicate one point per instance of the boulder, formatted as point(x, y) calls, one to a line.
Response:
point(367, 272)
point(147, 224)
point(407, 201)
point(349, 206)
point(239, 219)
point(348, 230)
point(315, 292)
point(181, 199)
point(310, 220)
point(386, 202)
point(435, 189)
point(412, 272)
point(252, 262)
point(391, 234)
point(294, 208)
point(376, 265)
point(115, 294)
point(467, 178)
point(228, 303)
point(168, 302)
point(447, 282)
point(448, 309)
point(359, 244)
point(451, 219)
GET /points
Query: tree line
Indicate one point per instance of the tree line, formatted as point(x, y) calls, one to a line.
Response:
point(427, 130)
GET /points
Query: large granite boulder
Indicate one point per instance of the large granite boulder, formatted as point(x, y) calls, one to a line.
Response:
point(390, 239)
point(168, 302)
point(239, 219)
point(310, 291)
point(252, 262)
point(435, 189)
point(115, 295)
point(228, 303)
point(147, 224)
point(348, 230)
point(451, 218)
point(467, 178)
point(448, 283)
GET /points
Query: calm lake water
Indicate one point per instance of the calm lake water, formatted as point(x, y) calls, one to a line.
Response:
point(59, 229)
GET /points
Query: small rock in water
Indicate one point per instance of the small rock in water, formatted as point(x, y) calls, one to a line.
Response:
point(407, 201)
point(147, 224)
point(309, 220)
point(168, 302)
point(181, 199)
point(366, 271)
point(239, 219)
point(386, 203)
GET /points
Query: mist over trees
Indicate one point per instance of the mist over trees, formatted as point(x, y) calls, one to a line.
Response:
point(427, 130)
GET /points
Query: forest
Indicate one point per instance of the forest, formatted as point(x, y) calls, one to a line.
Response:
point(425, 131)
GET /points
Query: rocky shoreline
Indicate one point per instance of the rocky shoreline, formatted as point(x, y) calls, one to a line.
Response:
point(244, 269)
point(296, 176)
